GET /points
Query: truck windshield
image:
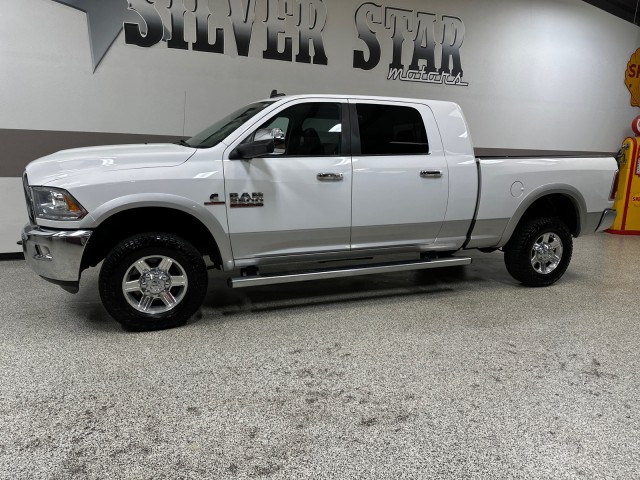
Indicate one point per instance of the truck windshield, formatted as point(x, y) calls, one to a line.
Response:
point(217, 132)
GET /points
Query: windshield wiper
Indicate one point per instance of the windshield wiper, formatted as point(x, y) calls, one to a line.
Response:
point(182, 142)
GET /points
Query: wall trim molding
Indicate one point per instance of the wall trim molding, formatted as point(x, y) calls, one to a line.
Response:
point(624, 9)
point(19, 147)
point(11, 256)
point(521, 152)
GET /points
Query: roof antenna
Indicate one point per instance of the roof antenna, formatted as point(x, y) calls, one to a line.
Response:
point(275, 94)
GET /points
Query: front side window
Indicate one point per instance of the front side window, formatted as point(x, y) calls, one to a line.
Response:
point(391, 130)
point(310, 129)
point(220, 130)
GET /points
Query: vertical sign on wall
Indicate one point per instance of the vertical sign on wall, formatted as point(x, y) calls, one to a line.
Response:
point(632, 78)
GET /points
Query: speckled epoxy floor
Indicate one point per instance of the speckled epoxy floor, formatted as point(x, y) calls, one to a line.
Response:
point(443, 374)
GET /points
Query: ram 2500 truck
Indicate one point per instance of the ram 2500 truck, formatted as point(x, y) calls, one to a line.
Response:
point(313, 179)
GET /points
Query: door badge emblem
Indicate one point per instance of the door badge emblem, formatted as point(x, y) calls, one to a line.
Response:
point(214, 199)
point(245, 200)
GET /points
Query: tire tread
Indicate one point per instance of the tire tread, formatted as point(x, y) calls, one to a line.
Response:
point(518, 250)
point(110, 285)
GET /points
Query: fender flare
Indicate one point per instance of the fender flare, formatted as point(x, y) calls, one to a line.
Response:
point(174, 202)
point(568, 191)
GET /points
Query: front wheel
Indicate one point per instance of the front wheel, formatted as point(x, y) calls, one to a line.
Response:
point(539, 252)
point(153, 281)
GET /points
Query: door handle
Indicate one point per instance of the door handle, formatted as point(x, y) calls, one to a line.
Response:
point(431, 173)
point(329, 177)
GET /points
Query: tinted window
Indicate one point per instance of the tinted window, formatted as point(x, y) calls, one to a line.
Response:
point(311, 129)
point(217, 132)
point(391, 130)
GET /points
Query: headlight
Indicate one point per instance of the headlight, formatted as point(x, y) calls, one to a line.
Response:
point(56, 204)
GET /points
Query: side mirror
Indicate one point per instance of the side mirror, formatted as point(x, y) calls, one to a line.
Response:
point(278, 141)
point(275, 134)
point(265, 142)
point(252, 150)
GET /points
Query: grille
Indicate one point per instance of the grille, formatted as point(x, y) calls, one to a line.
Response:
point(27, 195)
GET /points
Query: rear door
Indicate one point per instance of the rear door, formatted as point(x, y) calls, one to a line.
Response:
point(299, 201)
point(400, 176)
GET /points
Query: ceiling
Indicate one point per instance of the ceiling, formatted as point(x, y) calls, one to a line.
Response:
point(625, 9)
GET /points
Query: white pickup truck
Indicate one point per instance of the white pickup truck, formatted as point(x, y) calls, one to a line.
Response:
point(312, 179)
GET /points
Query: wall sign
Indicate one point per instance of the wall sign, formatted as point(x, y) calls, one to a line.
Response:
point(310, 17)
point(148, 23)
point(632, 78)
point(371, 22)
point(104, 19)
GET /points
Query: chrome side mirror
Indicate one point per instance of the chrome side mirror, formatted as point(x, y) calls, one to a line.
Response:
point(275, 134)
point(262, 134)
point(278, 141)
point(265, 142)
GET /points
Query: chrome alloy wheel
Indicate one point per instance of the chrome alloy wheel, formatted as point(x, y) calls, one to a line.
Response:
point(546, 253)
point(155, 284)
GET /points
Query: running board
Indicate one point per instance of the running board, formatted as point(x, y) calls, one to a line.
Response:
point(353, 271)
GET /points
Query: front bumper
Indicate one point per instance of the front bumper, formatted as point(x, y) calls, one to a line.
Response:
point(55, 255)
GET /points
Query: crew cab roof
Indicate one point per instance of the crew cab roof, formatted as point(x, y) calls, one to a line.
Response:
point(358, 97)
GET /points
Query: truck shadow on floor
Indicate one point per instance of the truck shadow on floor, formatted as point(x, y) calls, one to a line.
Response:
point(228, 302)
point(223, 304)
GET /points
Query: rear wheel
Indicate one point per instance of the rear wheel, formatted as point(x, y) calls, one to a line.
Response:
point(539, 252)
point(153, 281)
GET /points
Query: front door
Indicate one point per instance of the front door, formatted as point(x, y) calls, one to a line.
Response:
point(298, 201)
point(400, 176)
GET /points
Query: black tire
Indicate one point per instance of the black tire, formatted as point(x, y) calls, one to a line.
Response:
point(174, 272)
point(537, 266)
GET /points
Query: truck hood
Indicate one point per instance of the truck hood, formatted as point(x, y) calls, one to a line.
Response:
point(68, 163)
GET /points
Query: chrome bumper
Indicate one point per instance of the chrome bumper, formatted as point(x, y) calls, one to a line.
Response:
point(608, 217)
point(54, 255)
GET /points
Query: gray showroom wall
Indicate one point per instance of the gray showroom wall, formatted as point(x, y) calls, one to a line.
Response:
point(533, 74)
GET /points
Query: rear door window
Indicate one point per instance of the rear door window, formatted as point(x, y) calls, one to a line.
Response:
point(391, 130)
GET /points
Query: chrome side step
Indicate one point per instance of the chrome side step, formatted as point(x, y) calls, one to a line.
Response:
point(353, 271)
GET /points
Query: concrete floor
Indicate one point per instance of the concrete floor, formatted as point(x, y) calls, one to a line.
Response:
point(444, 374)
